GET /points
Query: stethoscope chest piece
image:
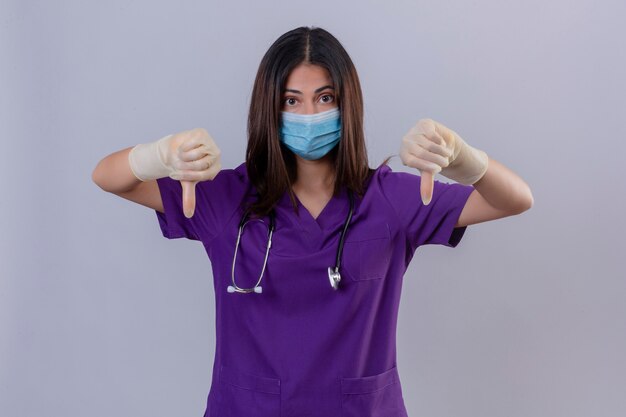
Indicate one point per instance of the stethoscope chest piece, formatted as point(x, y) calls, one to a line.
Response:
point(334, 276)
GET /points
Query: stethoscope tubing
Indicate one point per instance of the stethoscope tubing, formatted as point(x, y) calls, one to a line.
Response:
point(333, 273)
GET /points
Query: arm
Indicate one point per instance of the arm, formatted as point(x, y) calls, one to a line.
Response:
point(499, 193)
point(113, 174)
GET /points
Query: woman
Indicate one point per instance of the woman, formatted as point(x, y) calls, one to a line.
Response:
point(306, 324)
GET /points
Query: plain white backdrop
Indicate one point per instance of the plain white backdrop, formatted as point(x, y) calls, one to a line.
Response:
point(101, 315)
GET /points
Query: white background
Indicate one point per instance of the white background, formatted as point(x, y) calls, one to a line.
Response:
point(102, 316)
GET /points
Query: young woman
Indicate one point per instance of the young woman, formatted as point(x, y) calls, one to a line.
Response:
point(307, 299)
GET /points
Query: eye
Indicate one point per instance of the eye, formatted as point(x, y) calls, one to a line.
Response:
point(328, 95)
point(287, 100)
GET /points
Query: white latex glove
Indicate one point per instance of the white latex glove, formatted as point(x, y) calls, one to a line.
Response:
point(189, 156)
point(433, 148)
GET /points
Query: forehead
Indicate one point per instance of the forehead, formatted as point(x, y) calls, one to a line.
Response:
point(308, 75)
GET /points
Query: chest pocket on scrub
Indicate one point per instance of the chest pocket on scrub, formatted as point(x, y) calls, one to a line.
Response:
point(367, 252)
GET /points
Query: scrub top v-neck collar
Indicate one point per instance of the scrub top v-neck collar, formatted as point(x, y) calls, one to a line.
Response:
point(336, 208)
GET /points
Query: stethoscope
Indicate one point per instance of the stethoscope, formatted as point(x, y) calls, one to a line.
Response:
point(333, 273)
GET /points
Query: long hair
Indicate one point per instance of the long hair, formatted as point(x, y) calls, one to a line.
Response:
point(270, 165)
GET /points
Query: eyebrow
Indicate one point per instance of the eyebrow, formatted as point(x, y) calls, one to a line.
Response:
point(316, 91)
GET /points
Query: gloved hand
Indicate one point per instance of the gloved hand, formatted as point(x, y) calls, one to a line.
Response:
point(433, 148)
point(189, 156)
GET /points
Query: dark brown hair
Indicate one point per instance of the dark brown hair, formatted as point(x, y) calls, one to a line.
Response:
point(270, 165)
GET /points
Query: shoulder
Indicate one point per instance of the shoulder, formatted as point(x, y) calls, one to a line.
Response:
point(398, 183)
point(228, 179)
point(391, 182)
point(402, 190)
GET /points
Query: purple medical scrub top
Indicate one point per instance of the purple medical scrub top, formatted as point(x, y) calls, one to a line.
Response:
point(301, 348)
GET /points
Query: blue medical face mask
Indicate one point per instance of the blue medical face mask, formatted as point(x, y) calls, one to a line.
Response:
point(311, 135)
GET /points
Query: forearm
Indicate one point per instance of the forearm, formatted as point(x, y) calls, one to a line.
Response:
point(113, 173)
point(504, 189)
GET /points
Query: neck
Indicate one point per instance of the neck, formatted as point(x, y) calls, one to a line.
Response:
point(315, 176)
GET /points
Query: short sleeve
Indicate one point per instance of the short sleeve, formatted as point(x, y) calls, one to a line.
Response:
point(431, 224)
point(216, 201)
